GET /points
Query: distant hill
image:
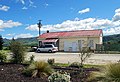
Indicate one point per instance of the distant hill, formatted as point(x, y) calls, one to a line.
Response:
point(26, 41)
point(112, 38)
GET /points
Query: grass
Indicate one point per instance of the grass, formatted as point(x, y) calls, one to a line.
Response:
point(110, 73)
point(61, 64)
point(94, 66)
point(85, 65)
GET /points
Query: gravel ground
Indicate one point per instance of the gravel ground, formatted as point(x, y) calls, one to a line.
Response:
point(61, 57)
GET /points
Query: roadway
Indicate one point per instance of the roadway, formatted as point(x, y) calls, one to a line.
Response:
point(62, 57)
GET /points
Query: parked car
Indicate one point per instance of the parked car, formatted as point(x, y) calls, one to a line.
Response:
point(33, 48)
point(47, 48)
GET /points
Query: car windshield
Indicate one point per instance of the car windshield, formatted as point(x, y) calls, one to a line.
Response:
point(48, 46)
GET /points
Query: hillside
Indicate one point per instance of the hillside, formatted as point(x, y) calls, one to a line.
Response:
point(112, 38)
point(26, 41)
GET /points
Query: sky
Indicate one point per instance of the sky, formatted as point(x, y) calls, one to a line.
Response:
point(19, 18)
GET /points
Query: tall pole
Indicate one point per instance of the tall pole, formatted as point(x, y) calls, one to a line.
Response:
point(39, 26)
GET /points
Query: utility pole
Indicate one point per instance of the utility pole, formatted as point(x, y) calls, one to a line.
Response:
point(39, 26)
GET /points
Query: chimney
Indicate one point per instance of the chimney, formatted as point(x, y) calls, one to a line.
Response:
point(47, 31)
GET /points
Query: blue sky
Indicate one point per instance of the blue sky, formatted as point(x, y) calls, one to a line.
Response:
point(19, 18)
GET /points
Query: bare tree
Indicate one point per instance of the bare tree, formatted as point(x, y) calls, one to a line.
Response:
point(85, 52)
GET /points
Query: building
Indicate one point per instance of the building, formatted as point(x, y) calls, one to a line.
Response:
point(72, 40)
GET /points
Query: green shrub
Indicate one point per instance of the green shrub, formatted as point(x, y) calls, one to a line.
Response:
point(38, 69)
point(59, 77)
point(18, 52)
point(75, 64)
point(51, 61)
point(3, 56)
point(111, 73)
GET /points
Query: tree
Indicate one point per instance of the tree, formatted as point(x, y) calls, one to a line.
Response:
point(1, 42)
point(18, 51)
point(85, 52)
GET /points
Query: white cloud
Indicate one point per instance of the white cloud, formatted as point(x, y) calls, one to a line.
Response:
point(115, 30)
point(117, 10)
point(85, 24)
point(28, 3)
point(4, 8)
point(46, 5)
point(22, 1)
point(109, 26)
point(9, 24)
point(116, 17)
point(24, 8)
point(10, 34)
point(28, 35)
point(84, 11)
point(32, 27)
point(1, 30)
point(31, 4)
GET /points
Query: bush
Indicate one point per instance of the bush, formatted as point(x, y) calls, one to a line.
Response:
point(59, 77)
point(38, 69)
point(18, 52)
point(3, 56)
point(111, 73)
point(75, 64)
point(51, 61)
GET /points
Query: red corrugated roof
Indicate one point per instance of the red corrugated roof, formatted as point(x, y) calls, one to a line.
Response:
point(71, 34)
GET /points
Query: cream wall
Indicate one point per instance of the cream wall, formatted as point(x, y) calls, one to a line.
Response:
point(101, 39)
point(96, 40)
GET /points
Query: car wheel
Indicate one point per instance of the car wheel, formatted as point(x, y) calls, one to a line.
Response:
point(50, 51)
point(38, 51)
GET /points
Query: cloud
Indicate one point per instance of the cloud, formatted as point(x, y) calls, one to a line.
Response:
point(9, 24)
point(46, 5)
point(110, 31)
point(28, 35)
point(27, 3)
point(109, 26)
point(84, 24)
point(24, 8)
point(4, 8)
point(9, 36)
point(32, 27)
point(31, 4)
point(116, 17)
point(22, 1)
point(1, 30)
point(84, 11)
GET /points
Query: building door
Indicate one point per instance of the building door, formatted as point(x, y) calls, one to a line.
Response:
point(74, 46)
point(66, 44)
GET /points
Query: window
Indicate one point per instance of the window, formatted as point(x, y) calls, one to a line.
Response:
point(48, 46)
